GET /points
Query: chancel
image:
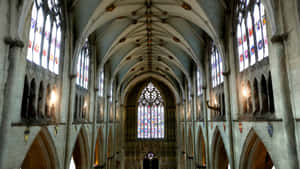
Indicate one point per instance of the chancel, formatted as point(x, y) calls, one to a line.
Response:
point(149, 84)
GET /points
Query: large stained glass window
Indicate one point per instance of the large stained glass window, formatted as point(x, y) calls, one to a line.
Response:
point(150, 114)
point(45, 35)
point(216, 67)
point(83, 63)
point(251, 32)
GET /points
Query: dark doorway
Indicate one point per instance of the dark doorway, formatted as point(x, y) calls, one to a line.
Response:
point(150, 161)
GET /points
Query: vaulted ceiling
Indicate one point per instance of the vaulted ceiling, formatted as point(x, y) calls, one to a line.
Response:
point(159, 38)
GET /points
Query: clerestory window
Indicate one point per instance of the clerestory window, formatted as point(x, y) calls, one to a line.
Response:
point(216, 67)
point(44, 46)
point(83, 63)
point(252, 41)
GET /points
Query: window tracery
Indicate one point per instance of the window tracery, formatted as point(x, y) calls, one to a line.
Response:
point(252, 41)
point(44, 46)
point(150, 114)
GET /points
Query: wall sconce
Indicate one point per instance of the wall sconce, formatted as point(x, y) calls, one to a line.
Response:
point(246, 92)
point(26, 134)
point(85, 108)
point(53, 98)
point(52, 102)
point(213, 107)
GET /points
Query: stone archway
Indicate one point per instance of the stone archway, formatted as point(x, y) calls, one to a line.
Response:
point(80, 155)
point(220, 158)
point(201, 150)
point(254, 154)
point(42, 153)
point(98, 158)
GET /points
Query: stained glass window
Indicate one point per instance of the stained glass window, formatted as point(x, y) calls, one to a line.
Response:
point(216, 67)
point(150, 114)
point(101, 84)
point(45, 35)
point(251, 32)
point(199, 90)
point(83, 66)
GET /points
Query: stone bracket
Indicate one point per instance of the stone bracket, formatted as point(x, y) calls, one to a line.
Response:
point(13, 42)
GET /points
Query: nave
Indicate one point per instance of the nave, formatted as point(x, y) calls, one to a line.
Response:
point(149, 84)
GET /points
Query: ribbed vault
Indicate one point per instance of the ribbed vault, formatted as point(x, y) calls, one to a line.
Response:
point(167, 38)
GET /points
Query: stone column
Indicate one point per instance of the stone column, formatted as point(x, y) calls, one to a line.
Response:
point(12, 91)
point(281, 86)
point(69, 119)
point(228, 118)
point(206, 128)
point(94, 130)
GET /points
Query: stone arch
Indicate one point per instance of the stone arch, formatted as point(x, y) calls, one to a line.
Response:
point(40, 109)
point(220, 156)
point(256, 96)
point(80, 153)
point(132, 97)
point(271, 94)
point(98, 158)
point(201, 150)
point(42, 153)
point(264, 95)
point(255, 155)
point(47, 105)
point(24, 112)
point(190, 143)
point(32, 100)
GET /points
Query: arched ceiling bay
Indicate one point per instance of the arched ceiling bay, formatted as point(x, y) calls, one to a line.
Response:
point(162, 37)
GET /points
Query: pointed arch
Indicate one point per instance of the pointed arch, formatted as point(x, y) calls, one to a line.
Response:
point(98, 158)
point(80, 153)
point(151, 108)
point(201, 149)
point(264, 95)
point(190, 143)
point(24, 112)
point(43, 149)
point(32, 100)
point(40, 108)
point(255, 155)
point(219, 153)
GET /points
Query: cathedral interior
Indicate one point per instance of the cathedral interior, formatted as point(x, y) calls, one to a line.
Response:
point(149, 84)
